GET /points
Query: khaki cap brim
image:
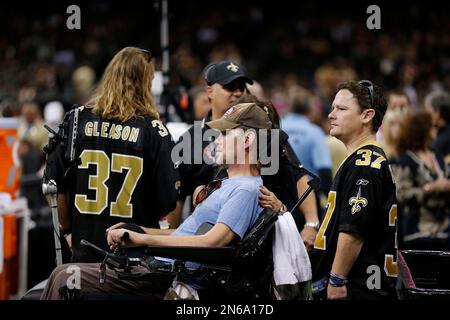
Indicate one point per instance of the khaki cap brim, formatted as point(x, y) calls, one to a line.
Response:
point(222, 124)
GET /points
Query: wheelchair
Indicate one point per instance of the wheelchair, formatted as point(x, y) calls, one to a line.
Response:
point(242, 271)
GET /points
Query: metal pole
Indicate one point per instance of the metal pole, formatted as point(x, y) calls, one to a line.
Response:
point(49, 189)
point(23, 251)
point(165, 41)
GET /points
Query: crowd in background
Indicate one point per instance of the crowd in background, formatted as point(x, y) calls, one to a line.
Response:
point(298, 53)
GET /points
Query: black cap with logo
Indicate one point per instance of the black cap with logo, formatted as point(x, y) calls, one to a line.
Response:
point(225, 72)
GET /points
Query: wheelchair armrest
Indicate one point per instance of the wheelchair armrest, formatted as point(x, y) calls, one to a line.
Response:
point(205, 255)
point(426, 253)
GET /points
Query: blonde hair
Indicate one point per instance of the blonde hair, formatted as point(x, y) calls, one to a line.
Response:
point(125, 89)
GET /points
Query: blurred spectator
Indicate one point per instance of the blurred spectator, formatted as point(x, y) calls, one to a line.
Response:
point(26, 94)
point(31, 161)
point(391, 131)
point(53, 114)
point(308, 140)
point(398, 99)
point(433, 101)
point(32, 126)
point(442, 144)
point(9, 108)
point(200, 102)
point(337, 148)
point(83, 80)
point(257, 90)
point(326, 80)
point(422, 189)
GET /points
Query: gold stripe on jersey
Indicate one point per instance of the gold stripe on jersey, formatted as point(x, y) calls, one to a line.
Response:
point(368, 143)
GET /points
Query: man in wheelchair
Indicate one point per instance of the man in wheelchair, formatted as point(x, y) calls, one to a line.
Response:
point(231, 205)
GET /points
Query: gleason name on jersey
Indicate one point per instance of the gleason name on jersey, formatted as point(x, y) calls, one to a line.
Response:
point(111, 131)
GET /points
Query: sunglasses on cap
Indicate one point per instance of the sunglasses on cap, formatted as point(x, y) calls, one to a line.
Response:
point(207, 191)
point(147, 54)
point(368, 84)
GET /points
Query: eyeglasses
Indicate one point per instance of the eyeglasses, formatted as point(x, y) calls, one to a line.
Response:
point(368, 84)
point(207, 191)
point(235, 84)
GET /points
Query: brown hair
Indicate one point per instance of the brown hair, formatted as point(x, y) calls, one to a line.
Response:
point(415, 132)
point(125, 89)
point(361, 94)
point(267, 106)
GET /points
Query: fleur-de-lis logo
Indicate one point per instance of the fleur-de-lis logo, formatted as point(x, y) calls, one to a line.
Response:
point(232, 67)
point(357, 202)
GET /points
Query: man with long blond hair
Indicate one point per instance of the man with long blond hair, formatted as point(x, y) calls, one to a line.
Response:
point(124, 172)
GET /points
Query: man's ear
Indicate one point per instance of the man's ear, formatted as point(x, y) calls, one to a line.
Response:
point(368, 115)
point(250, 138)
point(209, 91)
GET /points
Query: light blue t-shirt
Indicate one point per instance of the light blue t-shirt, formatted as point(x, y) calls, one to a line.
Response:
point(235, 204)
point(308, 142)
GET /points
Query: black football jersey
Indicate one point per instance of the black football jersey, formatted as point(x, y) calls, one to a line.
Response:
point(194, 146)
point(125, 174)
point(362, 200)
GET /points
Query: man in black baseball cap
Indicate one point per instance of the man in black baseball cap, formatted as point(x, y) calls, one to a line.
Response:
point(225, 83)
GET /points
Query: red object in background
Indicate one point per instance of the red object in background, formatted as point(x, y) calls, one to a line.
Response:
point(9, 276)
point(184, 100)
point(9, 166)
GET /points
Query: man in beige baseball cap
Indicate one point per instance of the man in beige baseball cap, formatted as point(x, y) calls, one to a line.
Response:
point(238, 143)
point(242, 115)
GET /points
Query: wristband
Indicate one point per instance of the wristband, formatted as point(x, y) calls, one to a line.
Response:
point(337, 280)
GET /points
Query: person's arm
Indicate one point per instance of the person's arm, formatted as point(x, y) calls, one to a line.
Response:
point(63, 212)
point(437, 186)
point(235, 218)
point(174, 217)
point(220, 235)
point(309, 210)
point(151, 231)
point(64, 217)
point(268, 199)
point(348, 248)
point(55, 170)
